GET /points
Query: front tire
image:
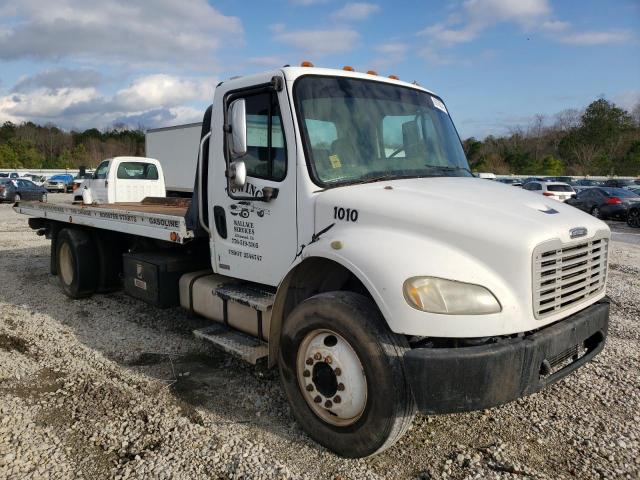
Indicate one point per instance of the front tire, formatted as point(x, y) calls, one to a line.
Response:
point(76, 262)
point(43, 198)
point(595, 211)
point(343, 374)
point(17, 198)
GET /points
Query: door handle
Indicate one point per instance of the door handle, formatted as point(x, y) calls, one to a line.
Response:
point(220, 219)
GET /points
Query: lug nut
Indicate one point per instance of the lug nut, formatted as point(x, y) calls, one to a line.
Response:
point(317, 356)
point(309, 387)
point(341, 386)
point(317, 399)
point(328, 359)
point(309, 361)
point(328, 404)
point(337, 399)
point(306, 373)
point(337, 371)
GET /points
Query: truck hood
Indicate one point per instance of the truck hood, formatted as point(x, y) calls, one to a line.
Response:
point(464, 229)
point(458, 210)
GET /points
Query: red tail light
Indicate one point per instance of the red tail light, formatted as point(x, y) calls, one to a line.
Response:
point(547, 194)
point(613, 201)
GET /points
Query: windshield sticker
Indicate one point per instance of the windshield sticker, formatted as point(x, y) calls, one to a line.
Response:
point(438, 104)
point(335, 161)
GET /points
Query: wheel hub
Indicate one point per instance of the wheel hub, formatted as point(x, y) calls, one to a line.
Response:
point(66, 264)
point(331, 377)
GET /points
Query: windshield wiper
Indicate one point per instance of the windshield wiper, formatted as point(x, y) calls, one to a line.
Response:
point(448, 168)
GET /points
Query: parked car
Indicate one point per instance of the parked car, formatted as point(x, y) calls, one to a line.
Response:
point(60, 183)
point(556, 190)
point(515, 182)
point(635, 189)
point(567, 180)
point(633, 215)
point(487, 175)
point(605, 202)
point(15, 190)
point(587, 182)
point(619, 182)
point(11, 175)
point(35, 178)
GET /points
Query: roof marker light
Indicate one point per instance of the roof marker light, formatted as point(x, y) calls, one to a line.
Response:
point(372, 72)
point(306, 63)
point(348, 68)
point(394, 77)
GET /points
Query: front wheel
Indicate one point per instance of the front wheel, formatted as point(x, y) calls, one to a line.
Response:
point(633, 218)
point(43, 198)
point(17, 198)
point(343, 374)
point(595, 211)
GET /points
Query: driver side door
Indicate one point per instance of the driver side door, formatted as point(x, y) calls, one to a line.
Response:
point(259, 239)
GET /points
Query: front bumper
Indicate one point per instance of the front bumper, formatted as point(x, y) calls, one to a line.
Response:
point(448, 380)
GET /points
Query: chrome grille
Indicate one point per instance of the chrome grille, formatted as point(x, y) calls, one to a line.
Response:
point(565, 275)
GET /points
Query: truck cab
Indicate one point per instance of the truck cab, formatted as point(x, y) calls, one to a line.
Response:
point(122, 179)
point(336, 230)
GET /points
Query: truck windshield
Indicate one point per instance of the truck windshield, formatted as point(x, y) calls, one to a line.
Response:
point(358, 131)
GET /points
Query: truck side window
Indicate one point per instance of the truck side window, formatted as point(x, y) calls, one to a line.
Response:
point(266, 151)
point(101, 171)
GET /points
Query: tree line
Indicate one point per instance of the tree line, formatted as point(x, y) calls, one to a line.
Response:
point(35, 146)
point(604, 139)
point(601, 140)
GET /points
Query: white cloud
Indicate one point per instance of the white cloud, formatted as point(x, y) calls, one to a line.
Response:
point(306, 3)
point(554, 26)
point(473, 17)
point(389, 54)
point(596, 38)
point(269, 61)
point(119, 31)
point(59, 78)
point(150, 100)
point(318, 43)
point(163, 90)
point(355, 11)
point(524, 12)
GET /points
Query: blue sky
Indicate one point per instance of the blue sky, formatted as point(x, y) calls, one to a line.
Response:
point(497, 63)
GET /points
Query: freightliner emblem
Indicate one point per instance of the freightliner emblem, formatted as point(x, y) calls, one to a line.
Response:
point(577, 232)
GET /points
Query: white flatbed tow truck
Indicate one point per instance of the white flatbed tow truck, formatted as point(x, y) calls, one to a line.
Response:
point(336, 231)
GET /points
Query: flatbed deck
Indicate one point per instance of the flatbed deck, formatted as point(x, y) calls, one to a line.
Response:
point(161, 221)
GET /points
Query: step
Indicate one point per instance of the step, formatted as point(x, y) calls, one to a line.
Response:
point(236, 343)
point(249, 295)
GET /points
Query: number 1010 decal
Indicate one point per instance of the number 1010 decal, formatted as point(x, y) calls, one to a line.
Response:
point(346, 214)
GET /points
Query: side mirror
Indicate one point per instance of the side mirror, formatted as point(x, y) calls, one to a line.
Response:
point(238, 124)
point(237, 173)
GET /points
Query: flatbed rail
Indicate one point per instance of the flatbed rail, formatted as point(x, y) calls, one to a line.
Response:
point(158, 221)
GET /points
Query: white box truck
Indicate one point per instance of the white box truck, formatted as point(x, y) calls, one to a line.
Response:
point(176, 148)
point(337, 232)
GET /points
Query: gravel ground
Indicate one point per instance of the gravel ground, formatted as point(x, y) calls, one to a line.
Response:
point(112, 388)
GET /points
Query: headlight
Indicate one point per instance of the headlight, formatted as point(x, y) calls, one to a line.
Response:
point(438, 295)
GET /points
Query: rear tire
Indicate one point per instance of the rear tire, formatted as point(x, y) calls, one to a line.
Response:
point(76, 262)
point(595, 211)
point(43, 198)
point(338, 337)
point(17, 198)
point(633, 218)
